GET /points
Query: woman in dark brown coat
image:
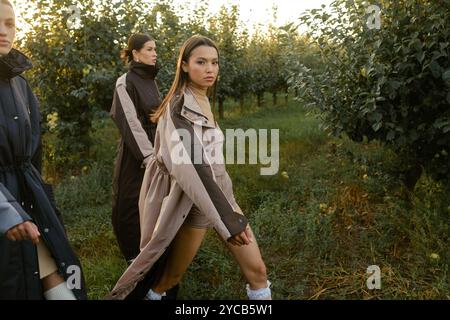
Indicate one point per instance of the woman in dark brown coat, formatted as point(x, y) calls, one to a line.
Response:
point(137, 137)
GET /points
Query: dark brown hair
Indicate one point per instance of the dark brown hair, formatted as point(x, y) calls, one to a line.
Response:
point(135, 42)
point(181, 78)
point(7, 3)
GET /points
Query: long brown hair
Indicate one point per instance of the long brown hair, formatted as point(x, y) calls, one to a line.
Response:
point(7, 3)
point(181, 78)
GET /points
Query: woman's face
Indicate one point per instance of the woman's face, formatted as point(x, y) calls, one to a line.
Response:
point(7, 29)
point(203, 66)
point(147, 54)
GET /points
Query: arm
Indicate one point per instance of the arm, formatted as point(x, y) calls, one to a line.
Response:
point(14, 221)
point(123, 112)
point(11, 213)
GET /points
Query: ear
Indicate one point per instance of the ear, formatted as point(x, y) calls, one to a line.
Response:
point(135, 52)
point(184, 66)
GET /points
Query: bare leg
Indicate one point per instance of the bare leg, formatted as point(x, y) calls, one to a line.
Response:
point(52, 281)
point(250, 261)
point(55, 288)
point(182, 252)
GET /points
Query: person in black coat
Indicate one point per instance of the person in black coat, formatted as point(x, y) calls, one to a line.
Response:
point(36, 260)
point(137, 136)
point(137, 132)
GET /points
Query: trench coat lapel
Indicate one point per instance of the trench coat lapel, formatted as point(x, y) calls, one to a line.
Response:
point(192, 111)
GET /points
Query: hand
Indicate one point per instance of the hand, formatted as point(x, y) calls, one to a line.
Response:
point(24, 231)
point(242, 239)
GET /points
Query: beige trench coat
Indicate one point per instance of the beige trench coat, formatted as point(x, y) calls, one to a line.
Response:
point(186, 168)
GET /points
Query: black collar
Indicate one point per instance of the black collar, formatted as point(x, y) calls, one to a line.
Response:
point(144, 70)
point(13, 64)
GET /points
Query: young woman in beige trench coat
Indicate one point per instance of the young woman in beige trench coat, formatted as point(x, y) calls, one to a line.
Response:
point(186, 188)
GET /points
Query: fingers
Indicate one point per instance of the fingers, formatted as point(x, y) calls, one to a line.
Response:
point(244, 238)
point(24, 231)
point(249, 234)
point(15, 234)
point(11, 235)
point(32, 232)
point(235, 242)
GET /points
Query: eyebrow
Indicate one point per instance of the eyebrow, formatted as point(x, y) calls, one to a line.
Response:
point(202, 58)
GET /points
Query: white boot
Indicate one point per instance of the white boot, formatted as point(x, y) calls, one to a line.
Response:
point(60, 292)
point(260, 294)
point(152, 295)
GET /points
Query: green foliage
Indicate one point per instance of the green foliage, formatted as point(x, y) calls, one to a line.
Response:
point(257, 57)
point(224, 31)
point(390, 84)
point(76, 58)
point(319, 229)
point(76, 53)
point(169, 32)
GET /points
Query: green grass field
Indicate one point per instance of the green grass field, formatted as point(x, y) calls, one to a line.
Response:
point(334, 212)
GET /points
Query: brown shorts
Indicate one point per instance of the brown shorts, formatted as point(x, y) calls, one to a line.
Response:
point(196, 219)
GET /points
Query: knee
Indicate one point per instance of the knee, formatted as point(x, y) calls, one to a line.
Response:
point(258, 273)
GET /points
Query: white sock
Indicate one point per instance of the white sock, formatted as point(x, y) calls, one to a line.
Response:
point(60, 292)
point(152, 295)
point(260, 294)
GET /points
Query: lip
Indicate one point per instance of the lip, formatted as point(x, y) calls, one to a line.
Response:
point(209, 78)
point(4, 43)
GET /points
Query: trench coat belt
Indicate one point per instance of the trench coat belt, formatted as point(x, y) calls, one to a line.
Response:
point(16, 167)
point(161, 166)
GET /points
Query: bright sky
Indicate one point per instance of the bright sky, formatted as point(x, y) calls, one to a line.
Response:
point(252, 12)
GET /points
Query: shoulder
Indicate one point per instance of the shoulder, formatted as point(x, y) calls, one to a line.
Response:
point(132, 78)
point(21, 80)
point(21, 83)
point(122, 80)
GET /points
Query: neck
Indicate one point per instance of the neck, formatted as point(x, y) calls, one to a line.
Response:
point(198, 89)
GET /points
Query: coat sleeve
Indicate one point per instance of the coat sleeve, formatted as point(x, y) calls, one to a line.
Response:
point(195, 175)
point(123, 113)
point(11, 213)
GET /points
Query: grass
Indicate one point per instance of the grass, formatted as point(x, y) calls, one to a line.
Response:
point(319, 227)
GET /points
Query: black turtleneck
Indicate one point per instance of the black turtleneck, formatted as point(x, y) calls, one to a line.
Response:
point(143, 70)
point(142, 88)
point(13, 64)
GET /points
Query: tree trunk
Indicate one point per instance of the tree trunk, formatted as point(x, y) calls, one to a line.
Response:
point(221, 112)
point(286, 96)
point(412, 176)
point(409, 179)
point(296, 92)
point(241, 103)
point(260, 99)
point(274, 98)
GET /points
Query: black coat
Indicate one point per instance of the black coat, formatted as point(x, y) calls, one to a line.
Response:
point(136, 144)
point(22, 185)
